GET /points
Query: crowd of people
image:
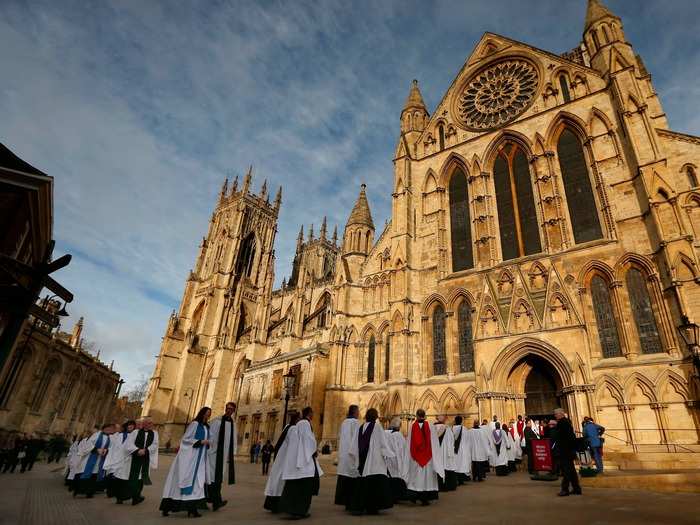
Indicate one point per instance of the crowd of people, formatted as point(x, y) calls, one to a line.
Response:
point(23, 450)
point(376, 468)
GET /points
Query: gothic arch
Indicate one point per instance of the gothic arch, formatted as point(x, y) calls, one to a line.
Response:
point(448, 394)
point(367, 332)
point(397, 322)
point(613, 386)
point(681, 262)
point(430, 183)
point(468, 398)
point(644, 383)
point(448, 167)
point(597, 114)
point(382, 330)
point(427, 399)
point(457, 296)
point(693, 199)
point(514, 352)
point(666, 377)
point(563, 120)
point(476, 164)
point(633, 259)
point(396, 406)
point(430, 302)
point(582, 370)
point(591, 268)
point(503, 137)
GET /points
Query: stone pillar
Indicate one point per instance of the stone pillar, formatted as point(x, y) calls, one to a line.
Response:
point(661, 421)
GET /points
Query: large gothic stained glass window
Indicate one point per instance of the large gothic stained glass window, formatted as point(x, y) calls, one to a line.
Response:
point(515, 202)
point(466, 342)
point(370, 359)
point(577, 186)
point(461, 232)
point(643, 314)
point(439, 355)
point(605, 319)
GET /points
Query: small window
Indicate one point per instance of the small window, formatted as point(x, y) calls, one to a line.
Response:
point(692, 177)
point(649, 339)
point(439, 355)
point(370, 359)
point(564, 84)
point(387, 357)
point(441, 136)
point(595, 39)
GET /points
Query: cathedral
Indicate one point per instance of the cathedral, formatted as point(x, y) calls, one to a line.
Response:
point(542, 251)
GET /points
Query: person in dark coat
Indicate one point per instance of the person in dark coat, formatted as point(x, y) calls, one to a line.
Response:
point(266, 453)
point(530, 432)
point(565, 444)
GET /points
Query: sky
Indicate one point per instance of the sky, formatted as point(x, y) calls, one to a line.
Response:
point(139, 110)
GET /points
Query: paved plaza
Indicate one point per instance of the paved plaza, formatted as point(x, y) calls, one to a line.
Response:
point(39, 498)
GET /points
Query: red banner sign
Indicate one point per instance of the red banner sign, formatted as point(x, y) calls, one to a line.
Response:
point(541, 455)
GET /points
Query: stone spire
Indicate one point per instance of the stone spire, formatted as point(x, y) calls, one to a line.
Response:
point(234, 187)
point(278, 198)
point(323, 229)
point(263, 190)
point(311, 233)
point(597, 11)
point(224, 190)
point(414, 114)
point(77, 332)
point(335, 235)
point(360, 213)
point(247, 180)
point(415, 99)
point(300, 237)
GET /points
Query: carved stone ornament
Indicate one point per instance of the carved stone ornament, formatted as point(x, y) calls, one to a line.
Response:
point(497, 94)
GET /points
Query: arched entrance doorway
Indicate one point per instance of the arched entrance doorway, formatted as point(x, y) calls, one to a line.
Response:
point(540, 383)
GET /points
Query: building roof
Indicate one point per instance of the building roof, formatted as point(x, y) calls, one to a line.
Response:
point(360, 213)
point(595, 12)
point(415, 99)
point(11, 161)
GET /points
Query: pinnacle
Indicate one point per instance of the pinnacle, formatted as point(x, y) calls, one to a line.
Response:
point(360, 213)
point(595, 11)
point(415, 99)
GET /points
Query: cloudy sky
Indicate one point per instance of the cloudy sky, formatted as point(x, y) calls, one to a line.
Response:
point(140, 109)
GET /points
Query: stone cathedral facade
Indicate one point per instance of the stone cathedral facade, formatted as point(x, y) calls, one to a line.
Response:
point(542, 251)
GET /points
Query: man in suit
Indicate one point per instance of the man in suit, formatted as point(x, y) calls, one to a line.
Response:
point(566, 445)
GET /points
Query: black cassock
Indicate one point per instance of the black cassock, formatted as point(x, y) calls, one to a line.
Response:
point(214, 488)
point(140, 465)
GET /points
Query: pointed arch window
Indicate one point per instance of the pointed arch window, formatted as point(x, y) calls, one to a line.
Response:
point(67, 392)
point(439, 355)
point(40, 392)
point(460, 223)
point(515, 203)
point(441, 136)
point(19, 359)
point(244, 265)
point(605, 318)
point(649, 339)
point(564, 85)
point(692, 177)
point(371, 350)
point(583, 210)
point(387, 357)
point(466, 339)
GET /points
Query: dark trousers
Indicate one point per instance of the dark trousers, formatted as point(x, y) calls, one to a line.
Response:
point(214, 494)
point(569, 476)
point(10, 465)
point(266, 467)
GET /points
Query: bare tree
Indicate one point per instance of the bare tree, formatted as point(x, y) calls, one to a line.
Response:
point(138, 392)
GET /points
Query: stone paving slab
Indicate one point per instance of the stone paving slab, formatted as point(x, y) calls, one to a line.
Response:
point(39, 498)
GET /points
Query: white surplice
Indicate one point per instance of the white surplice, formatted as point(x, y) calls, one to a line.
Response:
point(129, 447)
point(500, 455)
point(229, 433)
point(378, 452)
point(463, 457)
point(346, 435)
point(71, 458)
point(396, 464)
point(189, 468)
point(481, 445)
point(423, 479)
point(301, 462)
point(447, 446)
point(275, 483)
point(117, 456)
point(85, 449)
point(486, 436)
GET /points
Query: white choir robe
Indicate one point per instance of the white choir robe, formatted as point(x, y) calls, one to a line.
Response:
point(182, 471)
point(346, 437)
point(486, 436)
point(129, 447)
point(229, 433)
point(515, 450)
point(447, 447)
point(70, 458)
point(86, 447)
point(463, 458)
point(396, 463)
point(302, 446)
point(74, 463)
point(379, 451)
point(424, 479)
point(500, 457)
point(275, 483)
point(116, 456)
point(481, 447)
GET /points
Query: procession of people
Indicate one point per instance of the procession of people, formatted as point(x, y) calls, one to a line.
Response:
point(377, 468)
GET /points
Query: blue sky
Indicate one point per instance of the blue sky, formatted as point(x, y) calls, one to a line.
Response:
point(140, 109)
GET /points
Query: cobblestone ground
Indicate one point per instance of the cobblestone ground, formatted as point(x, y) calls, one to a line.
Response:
point(39, 498)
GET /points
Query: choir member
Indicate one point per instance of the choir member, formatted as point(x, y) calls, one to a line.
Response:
point(424, 461)
point(222, 451)
point(347, 474)
point(500, 445)
point(115, 461)
point(184, 486)
point(368, 452)
point(480, 452)
point(301, 471)
point(72, 461)
point(462, 451)
point(396, 464)
point(92, 453)
point(275, 483)
point(446, 441)
point(141, 448)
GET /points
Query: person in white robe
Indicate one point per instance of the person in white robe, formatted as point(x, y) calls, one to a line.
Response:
point(447, 448)
point(116, 457)
point(141, 451)
point(92, 453)
point(184, 486)
point(481, 450)
point(347, 473)
point(301, 470)
point(462, 451)
point(72, 461)
point(222, 450)
point(396, 464)
point(531, 433)
point(511, 449)
point(423, 461)
point(369, 451)
point(275, 483)
point(499, 444)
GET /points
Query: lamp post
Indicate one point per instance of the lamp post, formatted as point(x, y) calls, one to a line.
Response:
point(189, 407)
point(289, 380)
point(690, 332)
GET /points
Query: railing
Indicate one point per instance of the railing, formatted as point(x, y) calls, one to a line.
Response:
point(668, 440)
